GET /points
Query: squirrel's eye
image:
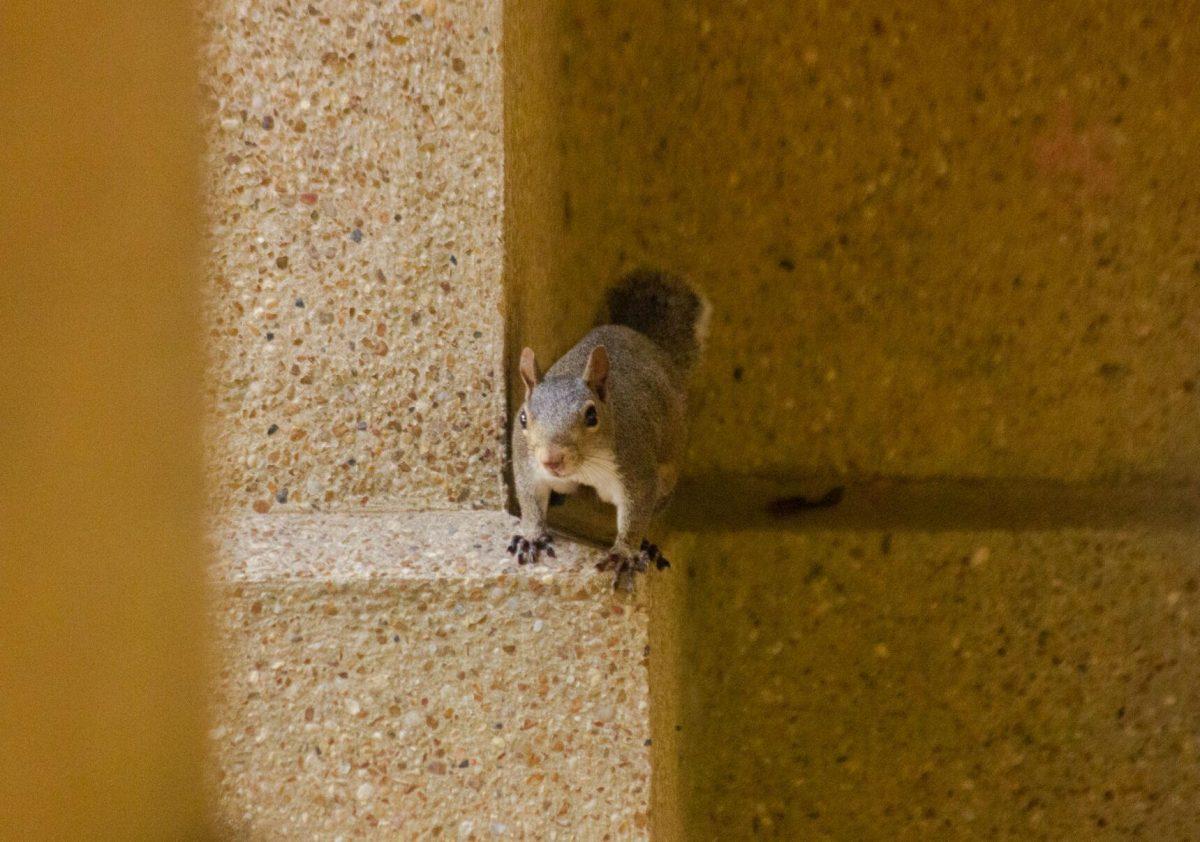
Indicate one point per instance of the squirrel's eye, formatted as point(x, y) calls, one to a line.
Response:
point(590, 418)
point(524, 421)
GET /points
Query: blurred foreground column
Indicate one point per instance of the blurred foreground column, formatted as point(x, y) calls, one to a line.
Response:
point(101, 575)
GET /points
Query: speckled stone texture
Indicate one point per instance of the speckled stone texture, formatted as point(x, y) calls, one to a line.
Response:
point(955, 685)
point(354, 170)
point(938, 241)
point(400, 677)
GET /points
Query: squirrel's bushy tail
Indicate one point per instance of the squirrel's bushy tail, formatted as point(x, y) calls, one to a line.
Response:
point(664, 308)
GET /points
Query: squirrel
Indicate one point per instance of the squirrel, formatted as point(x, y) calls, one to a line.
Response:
point(611, 414)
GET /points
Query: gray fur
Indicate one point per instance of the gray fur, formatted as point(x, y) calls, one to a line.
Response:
point(663, 308)
point(632, 455)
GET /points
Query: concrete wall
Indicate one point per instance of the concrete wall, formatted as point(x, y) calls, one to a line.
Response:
point(966, 684)
point(354, 194)
point(101, 558)
point(946, 247)
point(939, 242)
point(400, 677)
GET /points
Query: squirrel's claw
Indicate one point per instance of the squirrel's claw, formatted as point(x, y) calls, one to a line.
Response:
point(652, 555)
point(627, 565)
point(527, 551)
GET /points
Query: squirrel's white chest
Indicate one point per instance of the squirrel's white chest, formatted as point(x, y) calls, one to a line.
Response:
point(608, 489)
point(601, 474)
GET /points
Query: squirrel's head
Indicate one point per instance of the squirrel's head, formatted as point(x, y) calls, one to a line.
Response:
point(566, 420)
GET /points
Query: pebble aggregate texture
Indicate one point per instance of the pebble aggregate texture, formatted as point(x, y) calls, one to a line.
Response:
point(402, 679)
point(938, 241)
point(354, 179)
point(956, 685)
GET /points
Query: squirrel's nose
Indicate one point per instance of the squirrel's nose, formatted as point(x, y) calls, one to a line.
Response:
point(553, 460)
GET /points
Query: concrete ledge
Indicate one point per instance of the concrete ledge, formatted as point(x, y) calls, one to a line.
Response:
point(398, 676)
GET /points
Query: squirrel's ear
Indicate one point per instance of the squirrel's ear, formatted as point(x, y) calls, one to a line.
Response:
point(596, 373)
point(529, 370)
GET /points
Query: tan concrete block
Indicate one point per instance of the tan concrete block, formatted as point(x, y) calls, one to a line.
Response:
point(354, 174)
point(860, 684)
point(400, 676)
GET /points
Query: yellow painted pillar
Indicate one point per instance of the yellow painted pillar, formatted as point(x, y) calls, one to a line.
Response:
point(101, 563)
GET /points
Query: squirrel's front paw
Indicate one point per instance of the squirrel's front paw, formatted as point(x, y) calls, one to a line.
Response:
point(626, 565)
point(529, 551)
